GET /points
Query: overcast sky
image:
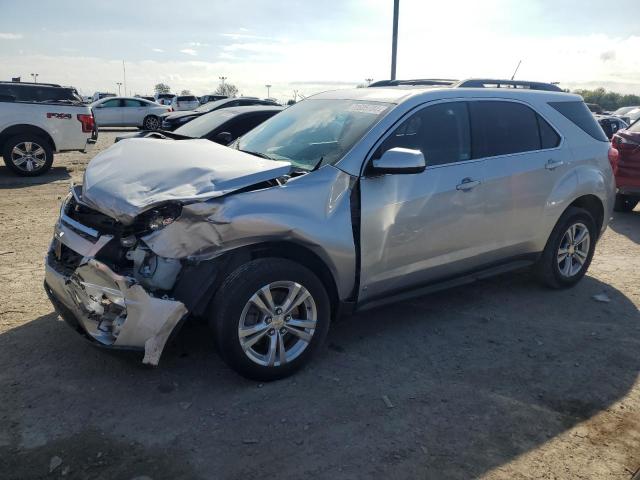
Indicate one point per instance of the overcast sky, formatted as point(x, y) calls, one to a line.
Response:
point(316, 45)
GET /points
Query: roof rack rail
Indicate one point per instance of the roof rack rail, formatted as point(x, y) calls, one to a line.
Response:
point(420, 81)
point(31, 83)
point(497, 83)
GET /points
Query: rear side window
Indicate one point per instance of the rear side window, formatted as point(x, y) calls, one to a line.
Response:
point(503, 128)
point(579, 114)
point(549, 138)
point(187, 99)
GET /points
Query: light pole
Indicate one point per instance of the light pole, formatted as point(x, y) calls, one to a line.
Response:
point(119, 84)
point(35, 77)
point(222, 79)
point(268, 87)
point(368, 80)
point(394, 39)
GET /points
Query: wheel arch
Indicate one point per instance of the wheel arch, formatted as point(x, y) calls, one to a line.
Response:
point(25, 128)
point(592, 204)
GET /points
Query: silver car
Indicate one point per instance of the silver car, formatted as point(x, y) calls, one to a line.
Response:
point(342, 202)
point(128, 112)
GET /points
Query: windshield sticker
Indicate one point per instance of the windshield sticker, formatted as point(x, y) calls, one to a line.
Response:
point(367, 108)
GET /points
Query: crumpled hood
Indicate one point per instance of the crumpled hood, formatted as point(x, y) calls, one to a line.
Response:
point(139, 173)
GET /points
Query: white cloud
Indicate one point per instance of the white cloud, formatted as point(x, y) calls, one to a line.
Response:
point(158, 50)
point(10, 36)
point(189, 51)
point(197, 44)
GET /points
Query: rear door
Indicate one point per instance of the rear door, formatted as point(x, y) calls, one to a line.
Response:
point(418, 228)
point(108, 113)
point(524, 160)
point(133, 112)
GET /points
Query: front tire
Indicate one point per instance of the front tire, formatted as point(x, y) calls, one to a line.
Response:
point(269, 317)
point(624, 203)
point(151, 122)
point(28, 155)
point(569, 250)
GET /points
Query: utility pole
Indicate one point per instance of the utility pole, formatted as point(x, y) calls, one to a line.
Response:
point(124, 75)
point(394, 40)
point(35, 77)
point(222, 79)
point(268, 87)
point(119, 84)
point(368, 80)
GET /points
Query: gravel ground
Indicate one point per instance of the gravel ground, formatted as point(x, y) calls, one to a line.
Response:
point(502, 379)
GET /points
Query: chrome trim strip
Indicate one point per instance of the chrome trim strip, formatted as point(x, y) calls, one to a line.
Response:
point(78, 226)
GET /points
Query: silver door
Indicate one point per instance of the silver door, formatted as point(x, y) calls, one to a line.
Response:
point(108, 113)
point(418, 228)
point(524, 160)
point(133, 112)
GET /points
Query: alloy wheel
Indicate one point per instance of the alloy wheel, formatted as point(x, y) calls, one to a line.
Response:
point(573, 250)
point(277, 323)
point(28, 156)
point(152, 123)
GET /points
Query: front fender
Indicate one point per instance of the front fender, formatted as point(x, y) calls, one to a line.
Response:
point(313, 210)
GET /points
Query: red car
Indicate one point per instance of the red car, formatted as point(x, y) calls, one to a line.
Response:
point(627, 167)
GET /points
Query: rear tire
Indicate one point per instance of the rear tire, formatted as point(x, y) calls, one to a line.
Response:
point(28, 155)
point(151, 122)
point(566, 257)
point(258, 333)
point(624, 203)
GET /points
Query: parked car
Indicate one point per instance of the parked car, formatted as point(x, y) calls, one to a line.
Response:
point(149, 98)
point(342, 202)
point(184, 102)
point(211, 98)
point(100, 95)
point(39, 120)
point(631, 116)
point(171, 121)
point(220, 126)
point(627, 167)
point(128, 112)
point(595, 108)
point(610, 124)
point(164, 98)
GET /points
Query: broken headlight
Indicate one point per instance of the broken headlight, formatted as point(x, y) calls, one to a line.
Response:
point(160, 217)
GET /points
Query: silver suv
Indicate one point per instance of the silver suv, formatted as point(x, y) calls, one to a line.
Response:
point(342, 202)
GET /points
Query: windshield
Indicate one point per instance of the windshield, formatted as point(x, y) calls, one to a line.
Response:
point(623, 110)
point(207, 107)
point(313, 132)
point(635, 127)
point(202, 125)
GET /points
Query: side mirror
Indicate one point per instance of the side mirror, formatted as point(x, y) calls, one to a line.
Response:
point(399, 160)
point(224, 138)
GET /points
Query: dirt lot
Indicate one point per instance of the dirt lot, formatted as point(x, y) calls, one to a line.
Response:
point(501, 379)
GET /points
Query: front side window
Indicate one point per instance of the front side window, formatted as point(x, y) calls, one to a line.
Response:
point(314, 132)
point(440, 132)
point(503, 128)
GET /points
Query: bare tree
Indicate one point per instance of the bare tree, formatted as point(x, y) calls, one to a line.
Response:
point(186, 92)
point(228, 89)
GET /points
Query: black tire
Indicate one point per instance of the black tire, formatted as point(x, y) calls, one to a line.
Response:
point(547, 268)
point(235, 292)
point(37, 143)
point(151, 122)
point(624, 203)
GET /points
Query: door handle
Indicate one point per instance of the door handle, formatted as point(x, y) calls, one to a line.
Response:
point(553, 164)
point(467, 184)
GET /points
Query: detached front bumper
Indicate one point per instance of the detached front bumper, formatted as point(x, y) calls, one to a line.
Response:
point(110, 309)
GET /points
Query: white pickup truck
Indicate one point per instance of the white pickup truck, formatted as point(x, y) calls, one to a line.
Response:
point(38, 120)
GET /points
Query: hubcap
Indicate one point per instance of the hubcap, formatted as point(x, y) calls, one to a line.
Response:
point(573, 250)
point(277, 323)
point(28, 156)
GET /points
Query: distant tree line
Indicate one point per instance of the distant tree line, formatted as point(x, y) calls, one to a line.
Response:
point(608, 100)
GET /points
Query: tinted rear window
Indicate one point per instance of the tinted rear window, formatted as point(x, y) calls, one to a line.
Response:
point(579, 114)
point(503, 128)
point(187, 99)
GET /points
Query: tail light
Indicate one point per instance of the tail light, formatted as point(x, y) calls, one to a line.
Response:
point(613, 158)
point(87, 121)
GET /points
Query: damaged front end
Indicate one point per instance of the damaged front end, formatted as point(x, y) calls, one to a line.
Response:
point(105, 282)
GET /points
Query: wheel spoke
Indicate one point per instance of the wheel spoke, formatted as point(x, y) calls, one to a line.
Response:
point(39, 151)
point(562, 256)
point(566, 269)
point(302, 323)
point(258, 302)
point(27, 147)
point(282, 353)
point(271, 354)
point(267, 298)
point(581, 237)
point(296, 296)
point(580, 257)
point(258, 327)
point(301, 334)
point(18, 151)
point(19, 161)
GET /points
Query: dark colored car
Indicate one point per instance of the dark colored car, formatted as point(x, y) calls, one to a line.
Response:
point(221, 126)
point(627, 167)
point(38, 92)
point(171, 121)
point(611, 124)
point(211, 98)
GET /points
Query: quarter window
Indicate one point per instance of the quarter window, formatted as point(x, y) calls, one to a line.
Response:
point(440, 132)
point(503, 128)
point(548, 136)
